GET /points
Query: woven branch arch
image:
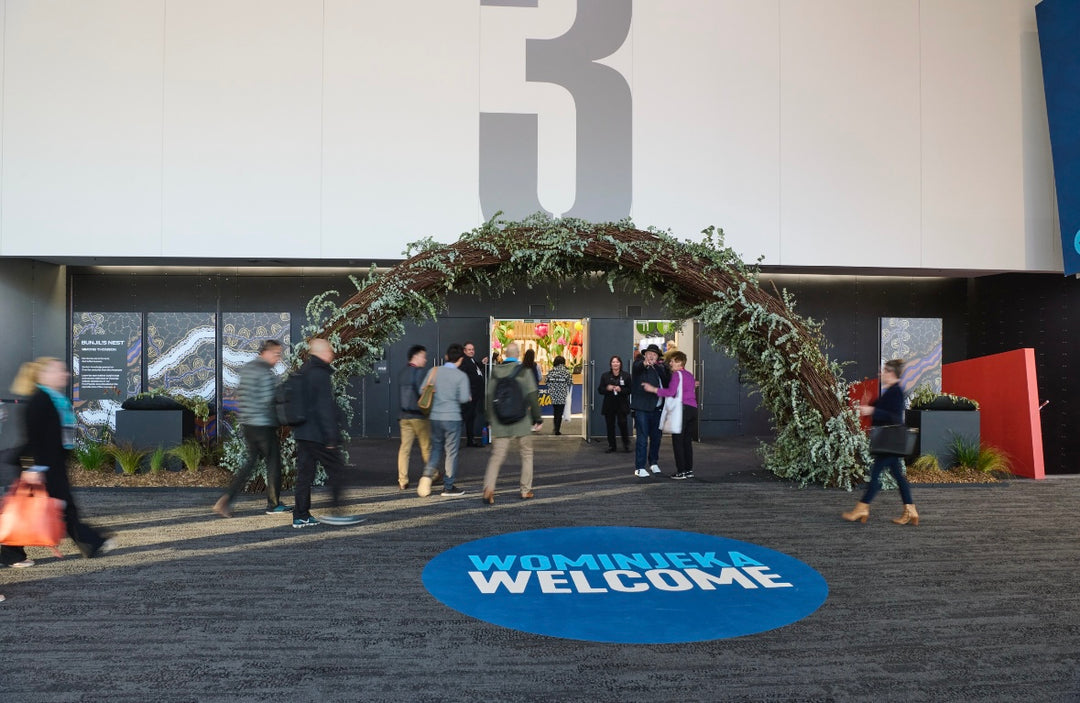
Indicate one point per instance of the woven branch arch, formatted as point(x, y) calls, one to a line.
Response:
point(818, 436)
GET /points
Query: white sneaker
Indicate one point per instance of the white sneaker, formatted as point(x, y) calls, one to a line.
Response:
point(24, 564)
point(641, 473)
point(423, 489)
point(655, 468)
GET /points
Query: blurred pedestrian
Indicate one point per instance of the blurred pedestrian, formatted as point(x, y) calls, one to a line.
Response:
point(888, 409)
point(318, 438)
point(50, 437)
point(258, 420)
point(12, 442)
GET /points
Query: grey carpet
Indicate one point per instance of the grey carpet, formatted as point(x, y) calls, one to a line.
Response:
point(979, 603)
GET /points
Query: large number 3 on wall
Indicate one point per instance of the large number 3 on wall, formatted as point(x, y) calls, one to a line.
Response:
point(603, 118)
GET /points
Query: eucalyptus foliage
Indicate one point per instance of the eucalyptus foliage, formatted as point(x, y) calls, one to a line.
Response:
point(818, 438)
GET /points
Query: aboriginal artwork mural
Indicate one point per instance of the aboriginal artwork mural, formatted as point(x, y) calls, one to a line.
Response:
point(916, 340)
point(181, 353)
point(241, 335)
point(106, 367)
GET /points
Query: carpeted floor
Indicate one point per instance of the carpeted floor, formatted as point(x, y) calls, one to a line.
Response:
point(981, 602)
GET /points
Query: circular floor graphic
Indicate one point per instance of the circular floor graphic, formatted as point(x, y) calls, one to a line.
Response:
point(625, 584)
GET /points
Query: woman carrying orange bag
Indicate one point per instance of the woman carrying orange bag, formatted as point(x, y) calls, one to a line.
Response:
point(50, 434)
point(12, 441)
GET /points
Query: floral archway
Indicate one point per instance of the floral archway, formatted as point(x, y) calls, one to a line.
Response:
point(818, 438)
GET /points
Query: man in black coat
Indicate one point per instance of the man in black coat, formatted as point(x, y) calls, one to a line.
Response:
point(318, 438)
point(472, 413)
point(647, 408)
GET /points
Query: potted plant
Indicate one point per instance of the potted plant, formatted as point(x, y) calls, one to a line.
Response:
point(941, 418)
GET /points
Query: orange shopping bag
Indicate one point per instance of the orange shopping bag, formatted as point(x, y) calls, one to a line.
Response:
point(30, 518)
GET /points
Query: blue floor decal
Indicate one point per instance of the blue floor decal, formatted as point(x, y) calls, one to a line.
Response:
point(625, 584)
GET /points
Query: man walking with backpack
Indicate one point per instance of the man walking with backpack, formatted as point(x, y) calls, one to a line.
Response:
point(513, 409)
point(255, 398)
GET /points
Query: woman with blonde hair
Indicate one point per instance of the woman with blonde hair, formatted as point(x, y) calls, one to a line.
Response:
point(50, 437)
point(12, 441)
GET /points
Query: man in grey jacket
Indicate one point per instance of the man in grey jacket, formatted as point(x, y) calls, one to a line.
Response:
point(255, 397)
point(451, 390)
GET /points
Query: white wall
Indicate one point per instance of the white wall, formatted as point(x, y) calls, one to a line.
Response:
point(816, 132)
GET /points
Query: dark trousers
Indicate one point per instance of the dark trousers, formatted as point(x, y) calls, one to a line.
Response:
point(557, 418)
point(647, 425)
point(86, 538)
point(624, 429)
point(682, 444)
point(892, 463)
point(262, 442)
point(468, 420)
point(307, 453)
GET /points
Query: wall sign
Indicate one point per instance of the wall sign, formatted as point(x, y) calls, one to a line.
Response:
point(625, 584)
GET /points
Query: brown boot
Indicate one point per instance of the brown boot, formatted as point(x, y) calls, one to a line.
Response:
point(909, 516)
point(860, 513)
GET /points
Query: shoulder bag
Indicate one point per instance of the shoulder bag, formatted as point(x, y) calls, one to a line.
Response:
point(893, 440)
point(671, 415)
point(427, 393)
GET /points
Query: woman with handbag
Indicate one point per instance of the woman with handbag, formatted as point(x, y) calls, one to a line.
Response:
point(615, 387)
point(888, 409)
point(680, 392)
point(12, 441)
point(50, 437)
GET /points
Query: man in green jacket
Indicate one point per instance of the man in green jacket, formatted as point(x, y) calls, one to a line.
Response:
point(502, 434)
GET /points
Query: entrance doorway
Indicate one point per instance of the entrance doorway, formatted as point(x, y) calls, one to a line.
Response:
point(548, 340)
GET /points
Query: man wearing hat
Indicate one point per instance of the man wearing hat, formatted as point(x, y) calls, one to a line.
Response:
point(647, 407)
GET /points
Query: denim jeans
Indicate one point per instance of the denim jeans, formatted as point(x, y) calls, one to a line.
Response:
point(445, 437)
point(892, 463)
point(647, 449)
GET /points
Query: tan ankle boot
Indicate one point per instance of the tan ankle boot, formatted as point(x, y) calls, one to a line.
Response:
point(909, 516)
point(860, 513)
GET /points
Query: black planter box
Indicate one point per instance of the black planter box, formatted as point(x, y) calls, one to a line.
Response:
point(937, 428)
point(149, 429)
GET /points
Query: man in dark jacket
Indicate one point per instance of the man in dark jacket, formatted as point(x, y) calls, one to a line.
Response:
point(255, 396)
point(472, 413)
point(318, 439)
point(647, 408)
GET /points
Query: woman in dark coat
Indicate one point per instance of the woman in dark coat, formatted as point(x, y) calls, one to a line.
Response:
point(888, 409)
point(12, 441)
point(50, 437)
point(615, 387)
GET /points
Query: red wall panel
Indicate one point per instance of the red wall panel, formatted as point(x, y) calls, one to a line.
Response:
point(1005, 387)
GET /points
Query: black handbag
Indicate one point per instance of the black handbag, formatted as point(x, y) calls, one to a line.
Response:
point(893, 440)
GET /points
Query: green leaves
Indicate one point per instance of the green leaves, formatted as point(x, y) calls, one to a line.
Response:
point(818, 438)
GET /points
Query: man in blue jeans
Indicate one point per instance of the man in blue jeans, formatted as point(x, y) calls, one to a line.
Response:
point(451, 391)
point(647, 408)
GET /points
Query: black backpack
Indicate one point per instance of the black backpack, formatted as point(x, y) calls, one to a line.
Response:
point(508, 400)
point(290, 400)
